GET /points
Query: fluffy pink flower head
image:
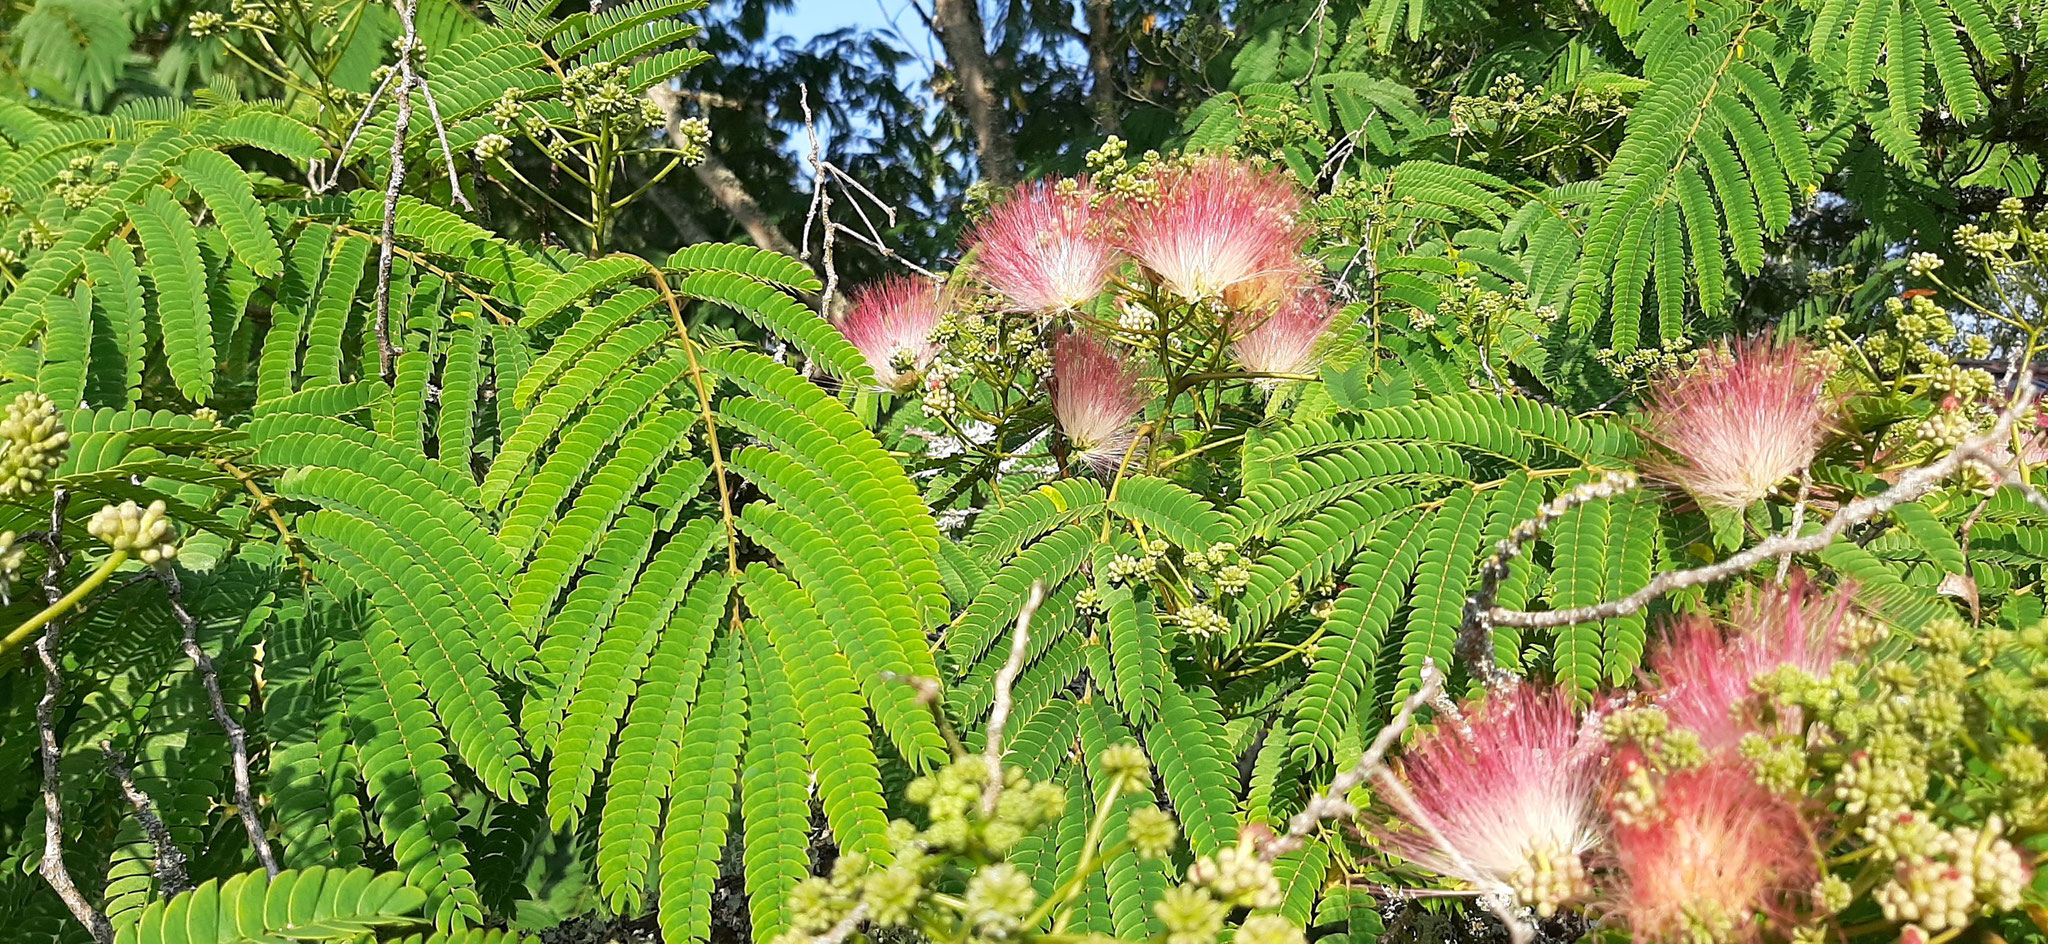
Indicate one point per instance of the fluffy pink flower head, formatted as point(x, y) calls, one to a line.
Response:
point(1741, 423)
point(1707, 678)
point(1095, 398)
point(1720, 853)
point(1045, 249)
point(1508, 807)
point(1284, 341)
point(1213, 224)
point(891, 323)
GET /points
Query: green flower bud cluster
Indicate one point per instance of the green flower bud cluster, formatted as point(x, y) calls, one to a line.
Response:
point(33, 441)
point(599, 92)
point(998, 897)
point(952, 798)
point(83, 182)
point(12, 553)
point(1238, 876)
point(692, 137)
point(1922, 264)
point(493, 147)
point(1115, 177)
point(1966, 872)
point(143, 532)
point(1201, 621)
point(1152, 832)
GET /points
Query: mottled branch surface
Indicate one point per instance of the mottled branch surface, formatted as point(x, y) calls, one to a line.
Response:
point(959, 26)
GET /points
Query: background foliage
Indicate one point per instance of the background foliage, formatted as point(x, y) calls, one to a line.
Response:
point(594, 601)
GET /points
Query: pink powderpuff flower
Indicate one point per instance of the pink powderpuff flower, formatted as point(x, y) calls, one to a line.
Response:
point(1718, 853)
point(1284, 341)
point(1706, 679)
point(1095, 398)
point(1046, 249)
point(1741, 423)
point(1507, 804)
point(1213, 224)
point(891, 323)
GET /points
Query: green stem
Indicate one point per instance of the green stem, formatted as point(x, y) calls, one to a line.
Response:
point(64, 605)
point(1083, 868)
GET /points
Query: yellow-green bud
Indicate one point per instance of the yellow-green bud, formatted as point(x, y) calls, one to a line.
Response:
point(143, 532)
point(32, 444)
point(1152, 832)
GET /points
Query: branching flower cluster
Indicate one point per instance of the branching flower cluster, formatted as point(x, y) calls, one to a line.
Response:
point(951, 880)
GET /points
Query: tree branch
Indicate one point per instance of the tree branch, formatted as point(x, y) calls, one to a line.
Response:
point(1977, 450)
point(960, 31)
point(238, 739)
point(1102, 91)
point(1006, 678)
point(171, 877)
point(52, 866)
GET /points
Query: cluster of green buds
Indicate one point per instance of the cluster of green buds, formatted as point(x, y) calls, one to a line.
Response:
point(1125, 568)
point(1933, 758)
point(602, 92)
point(251, 14)
point(33, 441)
point(1649, 749)
point(492, 147)
point(144, 533)
point(692, 138)
point(83, 181)
point(1510, 101)
point(1115, 175)
point(12, 553)
point(1642, 365)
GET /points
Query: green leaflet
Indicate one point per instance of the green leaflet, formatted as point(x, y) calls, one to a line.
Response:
point(232, 200)
point(1340, 680)
point(315, 904)
point(700, 804)
point(835, 726)
point(775, 805)
point(170, 252)
point(595, 708)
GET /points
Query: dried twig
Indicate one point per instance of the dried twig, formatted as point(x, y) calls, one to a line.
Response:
point(171, 877)
point(1006, 677)
point(408, 80)
point(1475, 634)
point(1331, 803)
point(238, 739)
point(52, 866)
point(821, 204)
point(321, 184)
point(1911, 486)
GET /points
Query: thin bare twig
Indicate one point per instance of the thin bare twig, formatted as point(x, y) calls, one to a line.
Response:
point(1798, 517)
point(1006, 678)
point(447, 152)
point(52, 865)
point(313, 177)
point(1331, 803)
point(408, 80)
point(238, 739)
point(1914, 484)
point(171, 877)
point(821, 204)
point(1475, 633)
